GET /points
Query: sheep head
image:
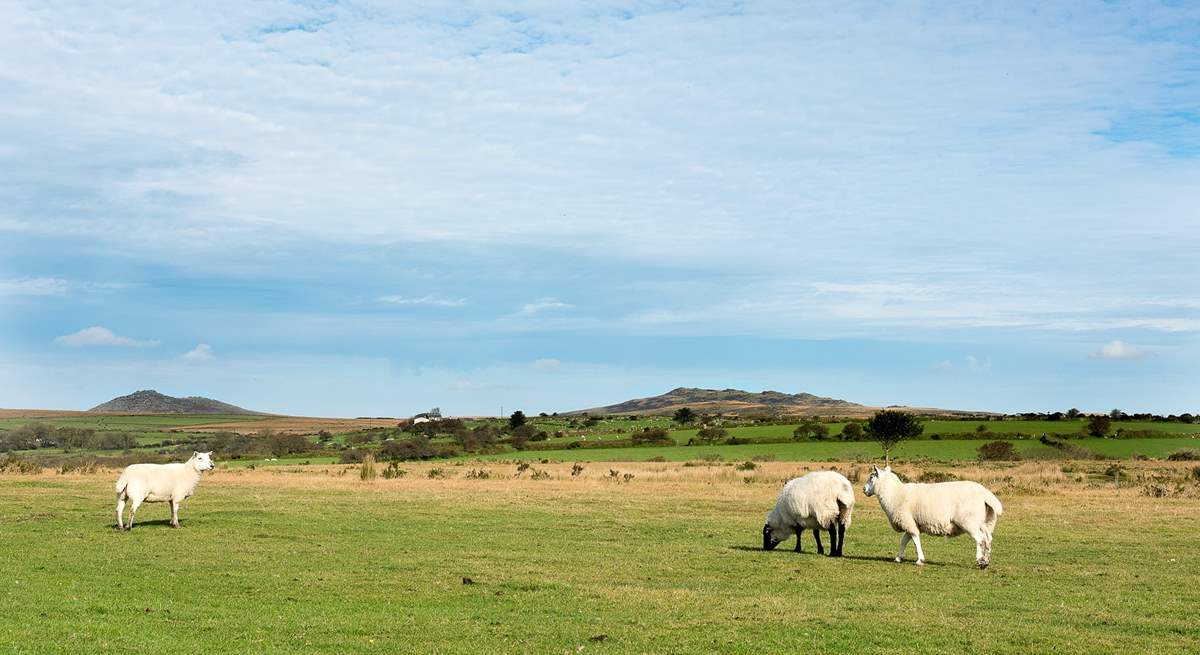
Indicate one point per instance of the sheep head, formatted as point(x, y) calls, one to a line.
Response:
point(769, 540)
point(202, 461)
point(873, 480)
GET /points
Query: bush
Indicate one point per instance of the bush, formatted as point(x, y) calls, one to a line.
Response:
point(810, 429)
point(84, 466)
point(351, 456)
point(711, 434)
point(437, 473)
point(937, 476)
point(477, 474)
point(539, 474)
point(417, 447)
point(747, 466)
point(651, 437)
point(393, 471)
point(1196, 474)
point(10, 464)
point(997, 451)
point(1185, 455)
point(576, 469)
point(737, 441)
point(852, 432)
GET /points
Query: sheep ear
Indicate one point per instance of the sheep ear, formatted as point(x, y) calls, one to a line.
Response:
point(877, 471)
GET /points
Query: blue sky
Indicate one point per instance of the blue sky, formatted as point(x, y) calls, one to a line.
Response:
point(364, 209)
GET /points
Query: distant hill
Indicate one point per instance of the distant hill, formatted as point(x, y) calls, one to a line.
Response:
point(735, 401)
point(153, 402)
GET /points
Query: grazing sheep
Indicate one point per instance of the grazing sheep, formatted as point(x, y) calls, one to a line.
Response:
point(160, 483)
point(946, 509)
point(821, 500)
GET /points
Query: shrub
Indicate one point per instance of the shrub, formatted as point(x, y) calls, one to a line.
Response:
point(477, 474)
point(83, 466)
point(737, 441)
point(1113, 472)
point(852, 432)
point(1098, 425)
point(10, 464)
point(1196, 474)
point(651, 437)
point(810, 429)
point(539, 474)
point(747, 466)
point(937, 476)
point(1185, 455)
point(351, 456)
point(995, 451)
point(393, 471)
point(710, 434)
point(437, 473)
point(367, 472)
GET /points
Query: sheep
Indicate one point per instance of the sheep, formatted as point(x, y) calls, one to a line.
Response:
point(821, 500)
point(159, 483)
point(945, 508)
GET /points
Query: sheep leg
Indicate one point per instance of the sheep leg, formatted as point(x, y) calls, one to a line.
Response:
point(841, 538)
point(120, 511)
point(820, 546)
point(904, 538)
point(799, 541)
point(834, 546)
point(916, 538)
point(174, 513)
point(133, 508)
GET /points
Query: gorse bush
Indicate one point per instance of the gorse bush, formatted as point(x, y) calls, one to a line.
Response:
point(10, 464)
point(998, 451)
point(367, 472)
point(936, 476)
point(1185, 455)
point(83, 466)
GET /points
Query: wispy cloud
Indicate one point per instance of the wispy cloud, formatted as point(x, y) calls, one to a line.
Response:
point(99, 336)
point(944, 365)
point(202, 352)
point(546, 364)
point(34, 286)
point(430, 300)
point(979, 364)
point(1118, 349)
point(543, 305)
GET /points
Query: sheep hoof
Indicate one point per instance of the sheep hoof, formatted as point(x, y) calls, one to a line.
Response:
point(983, 564)
point(920, 562)
point(897, 560)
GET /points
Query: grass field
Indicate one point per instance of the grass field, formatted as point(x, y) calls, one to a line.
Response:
point(312, 561)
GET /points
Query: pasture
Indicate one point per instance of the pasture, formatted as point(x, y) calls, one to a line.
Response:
point(311, 559)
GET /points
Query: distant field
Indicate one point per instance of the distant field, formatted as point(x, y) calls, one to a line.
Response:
point(127, 422)
point(315, 561)
point(947, 450)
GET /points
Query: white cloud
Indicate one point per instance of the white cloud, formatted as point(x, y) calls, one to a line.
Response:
point(34, 286)
point(979, 365)
point(202, 352)
point(944, 365)
point(1118, 349)
point(546, 364)
point(431, 300)
point(99, 336)
point(545, 304)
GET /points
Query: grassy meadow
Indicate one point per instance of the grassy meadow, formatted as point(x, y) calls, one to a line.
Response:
point(314, 560)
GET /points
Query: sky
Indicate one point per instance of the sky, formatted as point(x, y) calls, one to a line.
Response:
point(360, 209)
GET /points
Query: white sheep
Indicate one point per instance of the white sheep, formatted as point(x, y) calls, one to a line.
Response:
point(821, 500)
point(945, 509)
point(160, 483)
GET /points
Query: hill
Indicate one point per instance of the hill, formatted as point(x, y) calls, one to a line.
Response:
point(735, 401)
point(153, 402)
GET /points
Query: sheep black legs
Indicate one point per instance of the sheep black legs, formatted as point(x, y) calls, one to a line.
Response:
point(820, 547)
point(799, 541)
point(841, 529)
point(835, 547)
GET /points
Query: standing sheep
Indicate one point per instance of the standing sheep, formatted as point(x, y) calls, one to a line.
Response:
point(160, 483)
point(821, 500)
point(946, 508)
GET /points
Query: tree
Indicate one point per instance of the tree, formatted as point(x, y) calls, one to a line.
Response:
point(709, 435)
point(1099, 425)
point(810, 429)
point(1116, 415)
point(1073, 413)
point(517, 419)
point(890, 427)
point(852, 432)
point(655, 436)
point(684, 415)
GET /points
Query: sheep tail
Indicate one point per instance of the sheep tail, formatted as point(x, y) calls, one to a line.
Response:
point(845, 502)
point(995, 509)
point(122, 482)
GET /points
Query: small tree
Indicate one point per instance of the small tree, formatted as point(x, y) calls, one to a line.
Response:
point(890, 427)
point(517, 419)
point(710, 435)
point(1116, 415)
point(1073, 413)
point(852, 432)
point(1099, 425)
point(810, 429)
point(684, 415)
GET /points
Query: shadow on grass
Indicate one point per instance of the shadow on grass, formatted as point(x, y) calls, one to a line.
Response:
point(858, 558)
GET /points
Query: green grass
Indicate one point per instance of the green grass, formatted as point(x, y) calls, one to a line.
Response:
point(945, 450)
point(280, 566)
